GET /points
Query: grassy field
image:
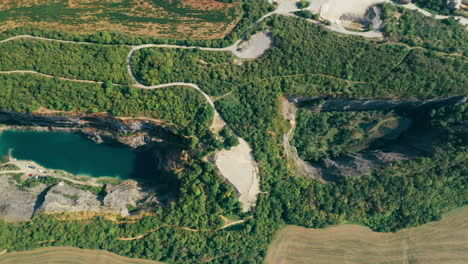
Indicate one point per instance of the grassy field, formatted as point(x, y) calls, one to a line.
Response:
point(445, 242)
point(196, 19)
point(69, 255)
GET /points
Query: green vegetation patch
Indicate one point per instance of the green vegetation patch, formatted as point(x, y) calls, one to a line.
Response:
point(182, 106)
point(329, 134)
point(9, 167)
point(421, 74)
point(70, 60)
point(438, 6)
point(358, 67)
point(416, 29)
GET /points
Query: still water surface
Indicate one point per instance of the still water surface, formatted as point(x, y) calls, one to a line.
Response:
point(69, 152)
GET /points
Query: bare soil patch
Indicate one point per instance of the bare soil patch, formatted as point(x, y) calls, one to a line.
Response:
point(204, 19)
point(56, 255)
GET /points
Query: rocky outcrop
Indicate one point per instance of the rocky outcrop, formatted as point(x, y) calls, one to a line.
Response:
point(414, 144)
point(22, 205)
point(356, 164)
point(63, 198)
point(124, 195)
point(99, 128)
point(17, 205)
point(340, 105)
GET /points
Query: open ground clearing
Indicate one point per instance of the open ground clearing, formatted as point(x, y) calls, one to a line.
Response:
point(205, 19)
point(334, 10)
point(238, 166)
point(445, 242)
point(56, 255)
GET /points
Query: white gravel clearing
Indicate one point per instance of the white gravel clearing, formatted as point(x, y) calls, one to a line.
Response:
point(254, 47)
point(238, 166)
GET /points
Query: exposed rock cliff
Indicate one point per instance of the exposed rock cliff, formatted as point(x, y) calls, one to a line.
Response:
point(340, 105)
point(131, 132)
point(21, 205)
point(65, 198)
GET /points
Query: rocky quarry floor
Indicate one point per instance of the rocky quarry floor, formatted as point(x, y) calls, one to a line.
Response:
point(21, 204)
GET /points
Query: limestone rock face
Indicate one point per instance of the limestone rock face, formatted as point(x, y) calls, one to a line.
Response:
point(355, 164)
point(384, 105)
point(23, 204)
point(17, 205)
point(118, 197)
point(65, 198)
point(98, 128)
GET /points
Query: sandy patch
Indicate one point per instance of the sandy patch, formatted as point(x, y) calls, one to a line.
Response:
point(256, 46)
point(238, 166)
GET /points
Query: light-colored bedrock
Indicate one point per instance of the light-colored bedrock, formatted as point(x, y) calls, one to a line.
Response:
point(238, 166)
point(255, 47)
point(336, 10)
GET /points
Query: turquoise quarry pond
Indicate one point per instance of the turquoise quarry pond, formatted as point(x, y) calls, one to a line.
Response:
point(69, 152)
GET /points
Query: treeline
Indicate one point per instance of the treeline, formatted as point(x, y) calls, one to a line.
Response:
point(182, 106)
point(70, 60)
point(450, 116)
point(416, 29)
point(405, 194)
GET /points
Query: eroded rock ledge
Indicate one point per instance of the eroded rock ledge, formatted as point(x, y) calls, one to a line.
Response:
point(133, 133)
point(119, 200)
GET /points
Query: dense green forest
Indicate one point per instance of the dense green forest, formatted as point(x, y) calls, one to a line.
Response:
point(182, 106)
point(70, 60)
point(416, 29)
point(437, 6)
point(306, 61)
point(371, 69)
